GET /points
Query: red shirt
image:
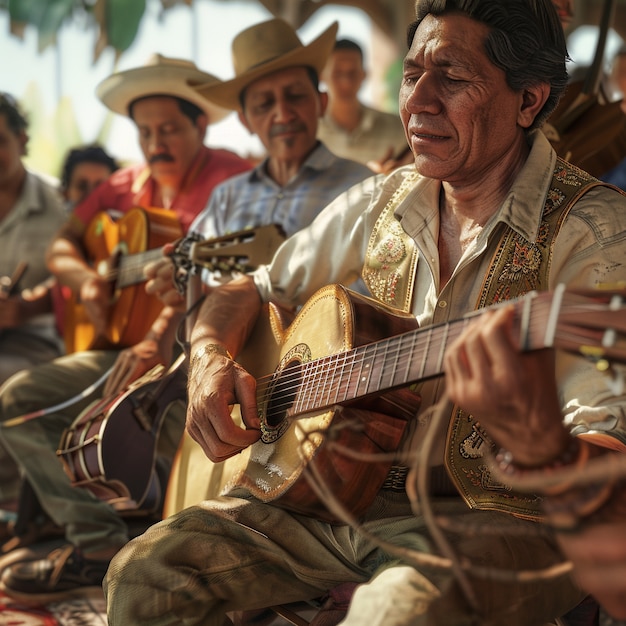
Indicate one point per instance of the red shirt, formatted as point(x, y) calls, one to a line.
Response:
point(134, 187)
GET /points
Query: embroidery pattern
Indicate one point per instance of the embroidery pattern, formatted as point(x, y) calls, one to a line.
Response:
point(517, 267)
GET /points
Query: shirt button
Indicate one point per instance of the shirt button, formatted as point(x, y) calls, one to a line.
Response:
point(442, 304)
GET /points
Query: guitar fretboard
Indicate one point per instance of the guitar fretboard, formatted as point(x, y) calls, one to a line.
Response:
point(394, 362)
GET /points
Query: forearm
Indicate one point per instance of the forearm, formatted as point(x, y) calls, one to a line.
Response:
point(227, 316)
point(67, 259)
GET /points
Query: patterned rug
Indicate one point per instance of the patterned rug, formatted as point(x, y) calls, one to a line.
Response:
point(88, 611)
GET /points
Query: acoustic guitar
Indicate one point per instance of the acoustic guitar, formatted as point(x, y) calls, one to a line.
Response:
point(334, 386)
point(120, 249)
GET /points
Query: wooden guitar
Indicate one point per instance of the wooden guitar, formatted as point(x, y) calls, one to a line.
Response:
point(337, 385)
point(120, 249)
point(110, 449)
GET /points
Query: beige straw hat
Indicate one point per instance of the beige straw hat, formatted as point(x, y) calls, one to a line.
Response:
point(159, 76)
point(265, 48)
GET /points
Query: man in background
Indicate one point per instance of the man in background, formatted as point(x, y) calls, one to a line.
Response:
point(31, 211)
point(84, 168)
point(350, 128)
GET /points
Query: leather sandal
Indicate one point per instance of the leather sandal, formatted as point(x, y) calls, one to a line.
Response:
point(64, 573)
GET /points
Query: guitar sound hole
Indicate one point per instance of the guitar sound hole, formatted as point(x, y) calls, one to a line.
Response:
point(283, 395)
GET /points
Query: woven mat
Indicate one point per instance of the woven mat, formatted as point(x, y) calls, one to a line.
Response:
point(88, 611)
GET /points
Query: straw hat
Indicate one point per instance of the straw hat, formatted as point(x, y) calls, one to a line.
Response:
point(265, 48)
point(159, 76)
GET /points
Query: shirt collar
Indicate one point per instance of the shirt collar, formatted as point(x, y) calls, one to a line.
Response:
point(320, 159)
point(522, 208)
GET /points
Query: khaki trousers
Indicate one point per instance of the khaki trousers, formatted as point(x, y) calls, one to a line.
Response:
point(234, 553)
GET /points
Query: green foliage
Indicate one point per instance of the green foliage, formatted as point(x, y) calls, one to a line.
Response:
point(122, 22)
point(46, 16)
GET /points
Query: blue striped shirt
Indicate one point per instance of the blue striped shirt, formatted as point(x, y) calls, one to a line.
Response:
point(253, 199)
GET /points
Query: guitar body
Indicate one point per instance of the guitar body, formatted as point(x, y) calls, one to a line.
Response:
point(331, 322)
point(133, 311)
point(110, 449)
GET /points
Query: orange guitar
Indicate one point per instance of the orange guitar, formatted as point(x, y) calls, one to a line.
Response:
point(119, 250)
point(337, 386)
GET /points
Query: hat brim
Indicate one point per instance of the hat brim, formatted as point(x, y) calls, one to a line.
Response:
point(118, 90)
point(315, 55)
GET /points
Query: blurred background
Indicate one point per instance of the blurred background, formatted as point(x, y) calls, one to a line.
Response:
point(53, 53)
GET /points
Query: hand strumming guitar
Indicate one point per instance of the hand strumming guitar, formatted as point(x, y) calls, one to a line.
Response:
point(95, 296)
point(215, 381)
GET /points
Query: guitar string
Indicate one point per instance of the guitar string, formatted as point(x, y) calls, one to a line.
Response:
point(318, 370)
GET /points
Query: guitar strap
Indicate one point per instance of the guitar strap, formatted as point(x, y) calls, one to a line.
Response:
point(518, 266)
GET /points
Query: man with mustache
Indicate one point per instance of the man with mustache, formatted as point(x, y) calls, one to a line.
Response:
point(178, 175)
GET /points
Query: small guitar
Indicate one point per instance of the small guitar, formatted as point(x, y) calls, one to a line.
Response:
point(110, 449)
point(120, 249)
point(348, 388)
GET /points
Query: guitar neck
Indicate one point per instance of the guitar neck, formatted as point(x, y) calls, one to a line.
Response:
point(130, 269)
point(400, 360)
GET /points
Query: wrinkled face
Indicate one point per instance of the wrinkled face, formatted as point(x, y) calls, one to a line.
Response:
point(12, 149)
point(85, 178)
point(344, 74)
point(565, 9)
point(168, 138)
point(459, 115)
point(283, 109)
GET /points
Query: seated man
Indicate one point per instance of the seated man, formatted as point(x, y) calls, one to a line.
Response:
point(486, 214)
point(31, 211)
point(178, 175)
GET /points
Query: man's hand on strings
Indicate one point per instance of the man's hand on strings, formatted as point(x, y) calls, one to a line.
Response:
point(215, 384)
point(511, 393)
point(95, 296)
point(160, 275)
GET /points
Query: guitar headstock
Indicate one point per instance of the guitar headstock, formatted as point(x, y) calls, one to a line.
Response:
point(241, 251)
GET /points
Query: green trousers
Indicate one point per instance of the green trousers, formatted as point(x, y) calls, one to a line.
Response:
point(89, 523)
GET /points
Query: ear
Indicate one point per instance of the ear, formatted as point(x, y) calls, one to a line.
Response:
point(242, 118)
point(533, 99)
point(323, 103)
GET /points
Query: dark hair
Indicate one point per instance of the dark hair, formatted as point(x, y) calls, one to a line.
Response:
point(526, 41)
point(85, 154)
point(16, 120)
point(187, 108)
point(311, 71)
point(348, 44)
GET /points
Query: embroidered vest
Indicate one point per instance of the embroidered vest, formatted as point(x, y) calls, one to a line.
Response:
point(517, 267)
